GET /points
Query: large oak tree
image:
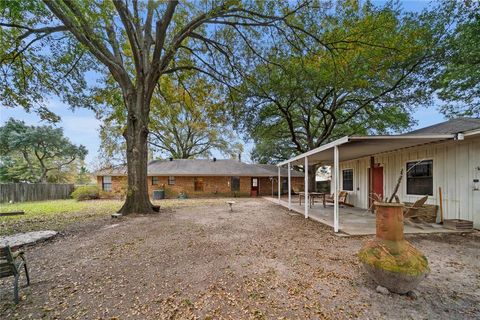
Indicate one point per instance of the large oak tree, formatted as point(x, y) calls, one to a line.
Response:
point(188, 119)
point(48, 46)
point(365, 80)
point(35, 153)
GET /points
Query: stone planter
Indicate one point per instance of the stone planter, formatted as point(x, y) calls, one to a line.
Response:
point(389, 259)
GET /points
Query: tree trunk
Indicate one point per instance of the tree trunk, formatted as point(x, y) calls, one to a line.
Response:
point(136, 133)
point(43, 177)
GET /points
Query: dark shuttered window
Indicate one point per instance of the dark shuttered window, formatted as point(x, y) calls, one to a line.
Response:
point(347, 177)
point(420, 178)
point(235, 183)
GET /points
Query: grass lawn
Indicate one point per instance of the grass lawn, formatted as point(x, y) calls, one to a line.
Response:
point(59, 214)
point(53, 215)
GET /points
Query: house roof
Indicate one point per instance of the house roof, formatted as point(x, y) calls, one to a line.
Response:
point(355, 147)
point(453, 126)
point(119, 171)
point(206, 167)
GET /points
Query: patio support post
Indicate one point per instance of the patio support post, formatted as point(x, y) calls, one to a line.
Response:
point(306, 188)
point(289, 188)
point(278, 189)
point(336, 186)
point(370, 183)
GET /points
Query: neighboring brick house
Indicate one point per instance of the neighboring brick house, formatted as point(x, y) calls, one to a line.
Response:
point(205, 178)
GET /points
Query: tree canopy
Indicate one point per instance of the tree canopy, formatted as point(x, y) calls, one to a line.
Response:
point(457, 77)
point(188, 119)
point(365, 81)
point(35, 153)
point(50, 45)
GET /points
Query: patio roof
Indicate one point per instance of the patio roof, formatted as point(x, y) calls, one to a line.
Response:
point(349, 148)
point(355, 147)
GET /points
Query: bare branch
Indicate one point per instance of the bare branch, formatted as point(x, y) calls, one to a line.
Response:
point(82, 31)
point(131, 32)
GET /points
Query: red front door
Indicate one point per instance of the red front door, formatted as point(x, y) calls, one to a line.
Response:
point(378, 181)
point(254, 189)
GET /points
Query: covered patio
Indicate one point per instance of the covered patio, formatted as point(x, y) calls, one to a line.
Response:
point(354, 221)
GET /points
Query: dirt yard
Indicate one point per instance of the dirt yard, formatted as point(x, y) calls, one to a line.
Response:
point(258, 262)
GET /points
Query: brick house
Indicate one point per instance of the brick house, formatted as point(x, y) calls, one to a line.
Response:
point(205, 178)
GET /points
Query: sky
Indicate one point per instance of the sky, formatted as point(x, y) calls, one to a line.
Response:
point(81, 126)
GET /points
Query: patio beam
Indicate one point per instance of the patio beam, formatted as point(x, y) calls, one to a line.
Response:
point(418, 139)
point(316, 150)
point(306, 187)
point(289, 188)
point(336, 187)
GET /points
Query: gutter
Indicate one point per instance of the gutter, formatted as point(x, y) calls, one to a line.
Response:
point(471, 133)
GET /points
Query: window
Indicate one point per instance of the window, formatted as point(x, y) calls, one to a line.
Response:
point(198, 184)
point(235, 183)
point(154, 181)
point(171, 181)
point(107, 183)
point(347, 181)
point(420, 178)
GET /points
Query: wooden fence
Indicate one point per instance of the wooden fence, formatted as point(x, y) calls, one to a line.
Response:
point(21, 192)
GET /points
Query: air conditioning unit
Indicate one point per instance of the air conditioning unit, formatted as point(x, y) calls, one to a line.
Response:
point(158, 194)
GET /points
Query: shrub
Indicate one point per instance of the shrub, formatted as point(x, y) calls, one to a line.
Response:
point(86, 193)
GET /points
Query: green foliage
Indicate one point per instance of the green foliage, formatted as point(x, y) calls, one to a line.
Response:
point(48, 46)
point(83, 176)
point(188, 119)
point(86, 193)
point(359, 78)
point(457, 76)
point(35, 153)
point(36, 64)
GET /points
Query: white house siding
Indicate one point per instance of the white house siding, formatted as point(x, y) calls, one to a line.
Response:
point(455, 166)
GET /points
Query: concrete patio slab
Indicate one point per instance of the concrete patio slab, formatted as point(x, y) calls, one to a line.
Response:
point(353, 221)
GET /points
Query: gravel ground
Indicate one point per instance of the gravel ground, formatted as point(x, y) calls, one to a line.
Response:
point(258, 262)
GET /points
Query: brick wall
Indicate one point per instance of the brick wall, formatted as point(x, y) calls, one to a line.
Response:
point(212, 186)
point(119, 185)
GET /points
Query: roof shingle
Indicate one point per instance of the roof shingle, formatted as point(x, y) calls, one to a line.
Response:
point(207, 167)
point(452, 126)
